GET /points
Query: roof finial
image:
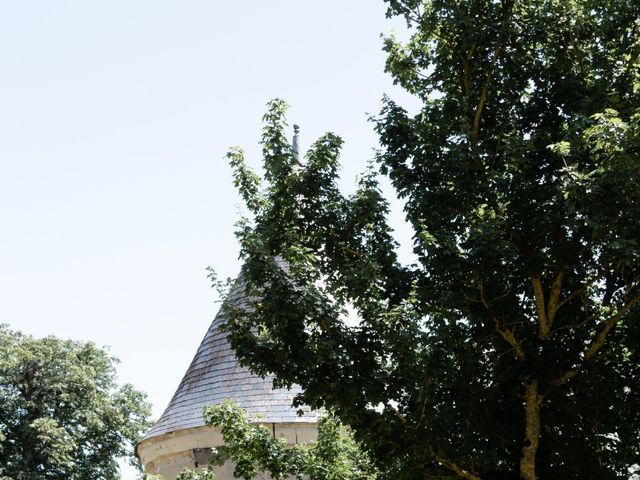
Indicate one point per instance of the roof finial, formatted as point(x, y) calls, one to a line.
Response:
point(297, 153)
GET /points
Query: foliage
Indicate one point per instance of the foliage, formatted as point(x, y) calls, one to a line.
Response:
point(204, 474)
point(62, 415)
point(254, 450)
point(511, 348)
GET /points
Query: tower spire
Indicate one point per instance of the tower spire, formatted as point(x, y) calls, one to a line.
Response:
point(297, 150)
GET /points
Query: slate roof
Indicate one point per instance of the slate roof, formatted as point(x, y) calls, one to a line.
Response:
point(215, 376)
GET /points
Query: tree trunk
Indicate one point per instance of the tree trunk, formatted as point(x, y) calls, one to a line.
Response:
point(532, 401)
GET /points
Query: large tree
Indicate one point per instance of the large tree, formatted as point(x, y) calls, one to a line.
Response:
point(511, 347)
point(62, 414)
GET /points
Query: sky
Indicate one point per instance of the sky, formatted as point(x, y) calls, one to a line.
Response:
point(115, 118)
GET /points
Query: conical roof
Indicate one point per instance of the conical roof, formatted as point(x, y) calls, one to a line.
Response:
point(215, 376)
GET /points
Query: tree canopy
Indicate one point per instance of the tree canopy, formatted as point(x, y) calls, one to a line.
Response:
point(62, 414)
point(511, 347)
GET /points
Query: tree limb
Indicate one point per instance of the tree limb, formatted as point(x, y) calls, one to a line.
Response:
point(573, 294)
point(461, 472)
point(482, 296)
point(483, 95)
point(509, 335)
point(506, 333)
point(554, 297)
point(569, 326)
point(566, 376)
point(598, 342)
point(543, 326)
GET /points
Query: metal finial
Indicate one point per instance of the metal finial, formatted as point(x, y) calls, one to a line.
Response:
point(296, 143)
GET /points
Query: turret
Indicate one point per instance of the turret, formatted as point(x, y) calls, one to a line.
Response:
point(180, 439)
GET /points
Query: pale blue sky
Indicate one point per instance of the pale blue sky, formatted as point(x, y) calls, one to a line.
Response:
point(114, 120)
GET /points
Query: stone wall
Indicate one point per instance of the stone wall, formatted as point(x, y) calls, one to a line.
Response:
point(171, 453)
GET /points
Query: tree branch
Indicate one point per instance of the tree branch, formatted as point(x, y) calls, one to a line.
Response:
point(598, 342)
point(483, 95)
point(566, 376)
point(461, 472)
point(569, 326)
point(482, 296)
point(509, 335)
point(573, 294)
point(554, 297)
point(543, 325)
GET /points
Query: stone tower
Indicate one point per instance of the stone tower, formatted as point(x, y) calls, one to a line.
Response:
point(180, 439)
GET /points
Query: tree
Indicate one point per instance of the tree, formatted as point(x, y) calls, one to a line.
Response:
point(254, 450)
point(511, 347)
point(62, 414)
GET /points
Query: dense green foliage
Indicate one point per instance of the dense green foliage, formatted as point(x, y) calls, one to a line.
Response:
point(62, 414)
point(254, 450)
point(511, 348)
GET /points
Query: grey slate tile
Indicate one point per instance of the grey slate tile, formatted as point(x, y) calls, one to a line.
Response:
point(215, 376)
